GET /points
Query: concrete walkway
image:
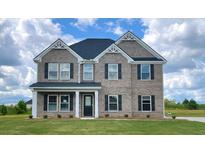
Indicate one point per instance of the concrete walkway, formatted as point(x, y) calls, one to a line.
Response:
point(198, 119)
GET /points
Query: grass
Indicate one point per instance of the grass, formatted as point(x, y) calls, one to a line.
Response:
point(187, 113)
point(20, 124)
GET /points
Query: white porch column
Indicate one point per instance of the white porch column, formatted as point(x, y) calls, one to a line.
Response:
point(96, 104)
point(34, 104)
point(77, 104)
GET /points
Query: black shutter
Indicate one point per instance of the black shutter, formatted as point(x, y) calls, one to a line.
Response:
point(153, 103)
point(139, 103)
point(71, 70)
point(139, 71)
point(71, 102)
point(45, 102)
point(106, 102)
point(152, 71)
point(46, 71)
point(120, 102)
point(106, 71)
point(119, 71)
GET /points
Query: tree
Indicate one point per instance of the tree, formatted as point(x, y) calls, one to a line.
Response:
point(21, 107)
point(3, 110)
point(192, 104)
point(185, 102)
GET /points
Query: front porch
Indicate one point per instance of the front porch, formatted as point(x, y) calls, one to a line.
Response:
point(80, 101)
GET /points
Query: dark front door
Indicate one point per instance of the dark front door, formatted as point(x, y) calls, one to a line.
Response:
point(88, 109)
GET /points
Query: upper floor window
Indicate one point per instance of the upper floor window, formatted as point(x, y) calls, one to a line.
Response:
point(88, 72)
point(146, 103)
point(112, 71)
point(145, 71)
point(52, 71)
point(65, 71)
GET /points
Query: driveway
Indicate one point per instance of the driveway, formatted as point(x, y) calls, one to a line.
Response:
point(198, 119)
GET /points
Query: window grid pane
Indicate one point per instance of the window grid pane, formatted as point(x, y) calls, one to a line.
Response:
point(146, 103)
point(113, 103)
point(53, 71)
point(88, 71)
point(64, 103)
point(145, 71)
point(52, 104)
point(113, 71)
point(65, 71)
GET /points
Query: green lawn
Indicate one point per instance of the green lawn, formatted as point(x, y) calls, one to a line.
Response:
point(187, 113)
point(20, 124)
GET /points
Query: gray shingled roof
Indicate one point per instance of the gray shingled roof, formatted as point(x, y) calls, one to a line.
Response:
point(146, 59)
point(65, 84)
point(90, 48)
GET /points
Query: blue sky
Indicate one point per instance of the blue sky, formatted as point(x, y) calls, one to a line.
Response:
point(180, 41)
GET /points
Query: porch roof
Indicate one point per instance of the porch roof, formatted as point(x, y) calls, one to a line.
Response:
point(66, 85)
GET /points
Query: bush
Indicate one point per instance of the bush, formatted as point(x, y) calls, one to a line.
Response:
point(45, 116)
point(3, 110)
point(30, 117)
point(173, 117)
point(59, 116)
point(21, 107)
point(192, 105)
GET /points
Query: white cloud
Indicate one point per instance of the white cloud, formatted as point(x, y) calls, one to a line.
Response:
point(20, 41)
point(118, 30)
point(181, 42)
point(83, 23)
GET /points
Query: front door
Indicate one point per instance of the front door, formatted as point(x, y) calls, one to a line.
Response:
point(88, 109)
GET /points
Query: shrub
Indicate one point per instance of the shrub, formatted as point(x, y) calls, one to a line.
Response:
point(21, 107)
point(45, 116)
point(3, 110)
point(30, 117)
point(148, 116)
point(59, 116)
point(173, 117)
point(192, 105)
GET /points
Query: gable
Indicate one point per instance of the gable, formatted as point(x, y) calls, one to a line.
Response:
point(135, 47)
point(57, 45)
point(113, 49)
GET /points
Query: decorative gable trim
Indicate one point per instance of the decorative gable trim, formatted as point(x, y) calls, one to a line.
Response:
point(130, 36)
point(113, 48)
point(58, 44)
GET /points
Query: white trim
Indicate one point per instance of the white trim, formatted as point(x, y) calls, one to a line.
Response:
point(84, 72)
point(78, 72)
point(96, 105)
point(56, 102)
point(69, 88)
point(34, 104)
point(109, 104)
point(150, 99)
point(58, 44)
point(61, 102)
point(149, 73)
point(113, 48)
point(130, 36)
point(117, 72)
point(148, 62)
point(60, 71)
point(57, 71)
point(77, 104)
point(54, 90)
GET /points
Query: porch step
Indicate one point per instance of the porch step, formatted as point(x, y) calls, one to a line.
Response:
point(87, 118)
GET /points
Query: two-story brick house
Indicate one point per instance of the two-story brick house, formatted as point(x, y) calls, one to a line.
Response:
point(99, 77)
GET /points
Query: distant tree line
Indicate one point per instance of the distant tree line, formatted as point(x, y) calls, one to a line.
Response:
point(20, 108)
point(186, 104)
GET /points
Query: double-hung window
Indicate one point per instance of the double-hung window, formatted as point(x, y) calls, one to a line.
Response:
point(145, 72)
point(113, 102)
point(65, 71)
point(146, 103)
point(64, 103)
point(88, 72)
point(52, 103)
point(52, 71)
point(112, 71)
